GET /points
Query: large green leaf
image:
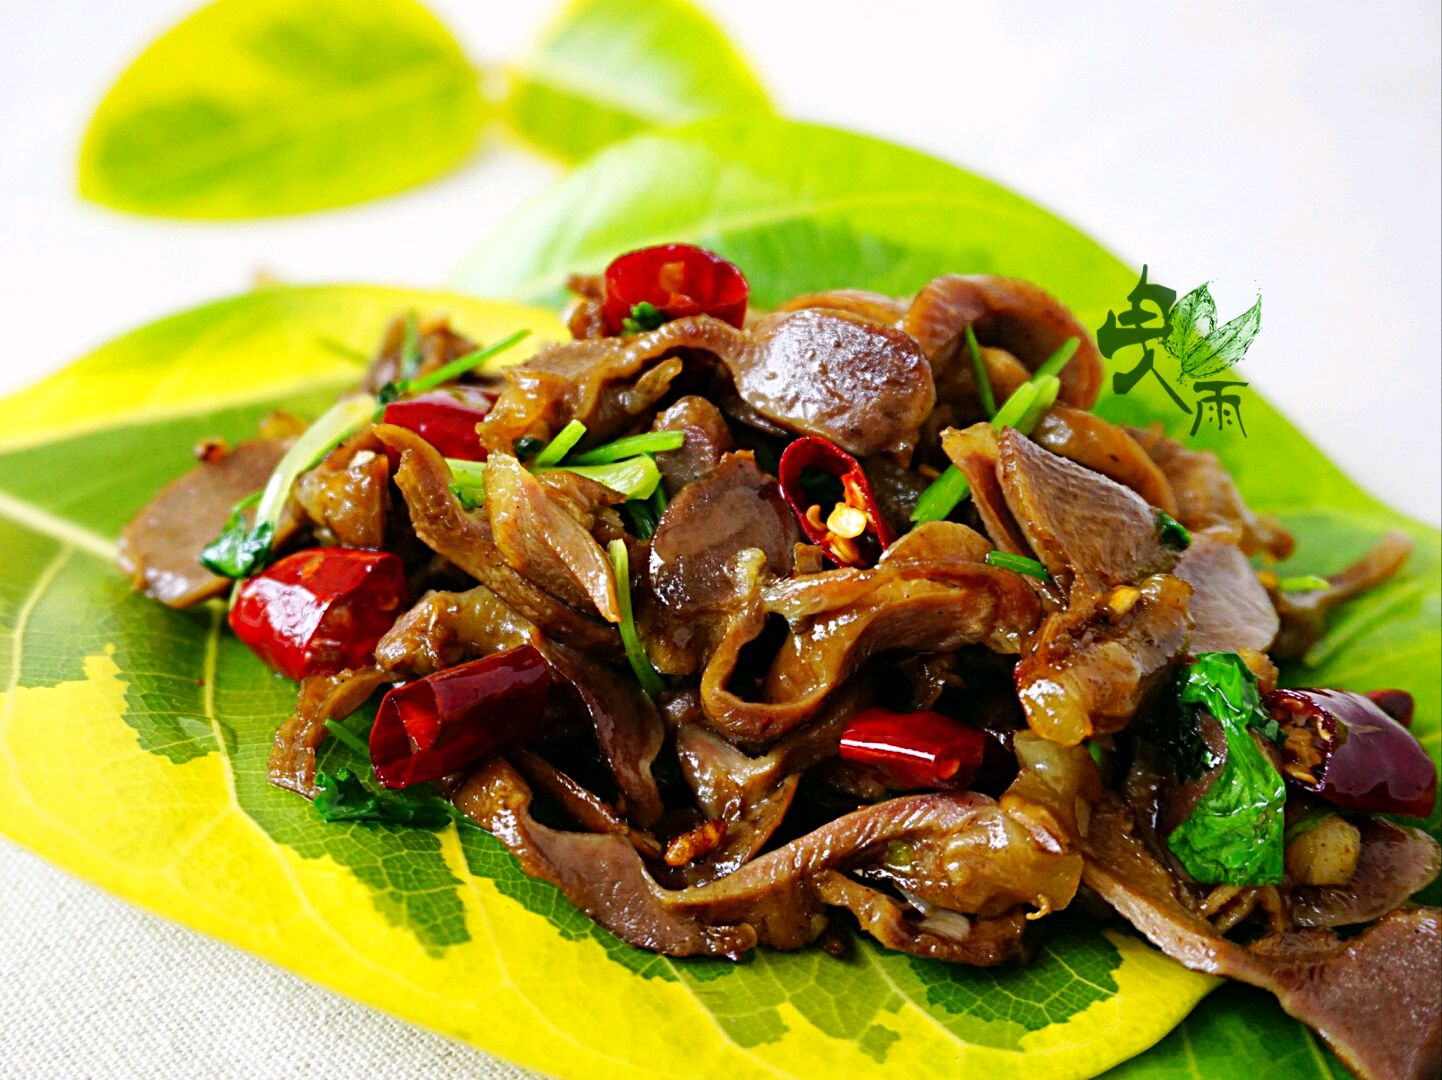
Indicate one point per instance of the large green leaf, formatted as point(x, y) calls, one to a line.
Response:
point(802, 207)
point(606, 69)
point(252, 108)
point(133, 742)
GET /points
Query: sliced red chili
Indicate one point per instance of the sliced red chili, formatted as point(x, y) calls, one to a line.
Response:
point(675, 280)
point(851, 529)
point(440, 724)
point(320, 610)
point(446, 420)
point(1397, 704)
point(1345, 748)
point(916, 750)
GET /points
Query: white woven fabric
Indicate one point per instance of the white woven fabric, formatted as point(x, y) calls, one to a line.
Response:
point(92, 987)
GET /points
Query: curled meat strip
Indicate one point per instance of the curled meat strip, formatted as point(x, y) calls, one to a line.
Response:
point(1304, 614)
point(322, 697)
point(1207, 496)
point(1018, 326)
point(1372, 997)
point(467, 539)
point(863, 385)
point(348, 493)
point(1089, 440)
point(840, 619)
point(708, 439)
point(446, 628)
point(966, 854)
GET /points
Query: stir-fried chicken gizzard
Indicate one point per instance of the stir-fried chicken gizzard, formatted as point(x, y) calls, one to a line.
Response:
point(744, 628)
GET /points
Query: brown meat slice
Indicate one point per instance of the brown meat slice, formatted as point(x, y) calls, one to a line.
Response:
point(874, 306)
point(975, 451)
point(734, 508)
point(1081, 525)
point(1089, 440)
point(544, 544)
point(708, 439)
point(160, 548)
point(444, 629)
point(1230, 609)
point(348, 493)
point(1088, 670)
point(839, 620)
point(322, 698)
point(1207, 496)
point(967, 854)
point(863, 385)
point(1395, 862)
point(436, 343)
point(1373, 998)
point(1006, 314)
point(1304, 614)
point(464, 537)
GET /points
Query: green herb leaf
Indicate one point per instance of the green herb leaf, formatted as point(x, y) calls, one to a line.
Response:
point(342, 797)
point(1172, 532)
point(1004, 560)
point(640, 659)
point(607, 69)
point(250, 108)
point(652, 442)
point(1234, 833)
point(239, 550)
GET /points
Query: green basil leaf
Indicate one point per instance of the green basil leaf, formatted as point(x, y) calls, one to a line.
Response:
point(607, 69)
point(1233, 835)
point(252, 108)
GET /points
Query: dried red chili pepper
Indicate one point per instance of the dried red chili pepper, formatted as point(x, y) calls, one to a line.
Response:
point(1345, 748)
point(918, 749)
point(446, 721)
point(1397, 704)
point(445, 420)
point(675, 280)
point(320, 610)
point(853, 531)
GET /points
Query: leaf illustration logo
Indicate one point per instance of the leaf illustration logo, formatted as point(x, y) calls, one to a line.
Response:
point(1200, 346)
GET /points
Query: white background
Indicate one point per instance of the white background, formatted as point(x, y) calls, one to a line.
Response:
point(1293, 149)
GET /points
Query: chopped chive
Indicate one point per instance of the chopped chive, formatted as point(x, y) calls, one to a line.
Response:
point(464, 364)
point(652, 442)
point(941, 496)
point(1004, 560)
point(1304, 583)
point(411, 346)
point(561, 445)
point(1047, 388)
point(642, 517)
point(1016, 406)
point(246, 503)
point(1172, 532)
point(1307, 822)
point(349, 737)
point(635, 478)
point(1054, 363)
point(978, 371)
point(644, 316)
point(528, 446)
point(646, 673)
point(341, 349)
point(468, 482)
